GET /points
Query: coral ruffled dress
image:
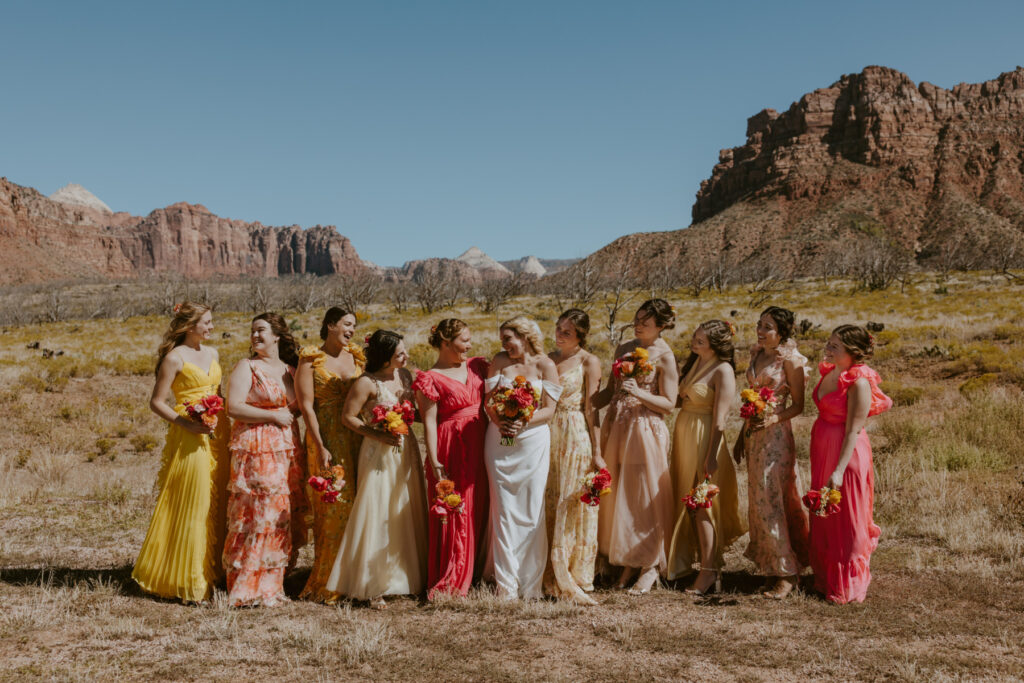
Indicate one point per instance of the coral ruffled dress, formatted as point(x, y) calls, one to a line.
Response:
point(842, 543)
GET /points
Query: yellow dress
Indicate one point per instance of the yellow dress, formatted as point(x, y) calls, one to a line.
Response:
point(689, 444)
point(329, 519)
point(180, 557)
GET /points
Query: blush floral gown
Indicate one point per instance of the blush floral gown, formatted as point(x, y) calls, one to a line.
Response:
point(842, 543)
point(266, 500)
point(180, 557)
point(636, 517)
point(776, 518)
point(461, 425)
point(572, 524)
point(329, 519)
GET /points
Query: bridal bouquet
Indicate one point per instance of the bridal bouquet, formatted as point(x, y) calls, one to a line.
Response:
point(701, 495)
point(595, 485)
point(330, 485)
point(516, 401)
point(823, 502)
point(205, 410)
point(447, 502)
point(636, 365)
point(757, 403)
point(394, 419)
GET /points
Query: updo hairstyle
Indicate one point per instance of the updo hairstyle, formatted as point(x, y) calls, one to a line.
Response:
point(445, 331)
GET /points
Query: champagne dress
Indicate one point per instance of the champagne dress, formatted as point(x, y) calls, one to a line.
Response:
point(572, 524)
point(267, 499)
point(180, 557)
point(842, 543)
point(776, 517)
point(329, 519)
point(689, 445)
point(384, 549)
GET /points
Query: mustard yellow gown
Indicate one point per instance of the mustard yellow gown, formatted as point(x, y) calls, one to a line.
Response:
point(689, 444)
point(180, 557)
point(329, 519)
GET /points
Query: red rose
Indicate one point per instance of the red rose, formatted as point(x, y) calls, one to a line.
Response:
point(748, 410)
point(379, 412)
point(831, 508)
point(318, 483)
point(766, 394)
point(523, 396)
point(330, 496)
point(812, 499)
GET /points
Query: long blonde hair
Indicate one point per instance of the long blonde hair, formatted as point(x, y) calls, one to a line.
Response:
point(186, 316)
point(528, 330)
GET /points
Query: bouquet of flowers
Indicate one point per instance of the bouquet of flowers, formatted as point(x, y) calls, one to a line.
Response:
point(595, 485)
point(447, 502)
point(205, 410)
point(330, 485)
point(516, 401)
point(759, 403)
point(824, 501)
point(636, 364)
point(394, 419)
point(701, 495)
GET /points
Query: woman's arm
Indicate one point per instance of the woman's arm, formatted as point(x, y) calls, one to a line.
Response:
point(428, 411)
point(724, 382)
point(548, 373)
point(358, 395)
point(158, 401)
point(602, 397)
point(239, 385)
point(795, 380)
point(305, 395)
point(664, 401)
point(498, 363)
point(591, 384)
point(858, 402)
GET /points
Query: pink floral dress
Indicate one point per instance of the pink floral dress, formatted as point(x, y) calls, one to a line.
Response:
point(776, 518)
point(265, 496)
point(842, 543)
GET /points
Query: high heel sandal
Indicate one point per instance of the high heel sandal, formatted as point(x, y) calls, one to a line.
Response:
point(624, 577)
point(714, 587)
point(647, 580)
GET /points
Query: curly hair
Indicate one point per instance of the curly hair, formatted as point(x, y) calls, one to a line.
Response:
point(186, 316)
point(720, 339)
point(785, 321)
point(662, 312)
point(580, 322)
point(287, 348)
point(380, 349)
point(446, 330)
point(857, 341)
point(331, 317)
point(527, 330)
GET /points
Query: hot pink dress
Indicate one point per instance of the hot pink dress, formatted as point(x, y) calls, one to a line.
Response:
point(842, 543)
point(461, 425)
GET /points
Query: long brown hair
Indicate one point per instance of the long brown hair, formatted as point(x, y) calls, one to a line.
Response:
point(186, 316)
point(720, 335)
point(287, 348)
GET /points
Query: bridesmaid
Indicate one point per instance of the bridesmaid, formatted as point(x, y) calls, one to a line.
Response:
point(450, 400)
point(846, 395)
point(574, 453)
point(776, 518)
point(519, 473)
point(636, 516)
point(322, 382)
point(180, 557)
point(706, 393)
point(266, 501)
point(384, 549)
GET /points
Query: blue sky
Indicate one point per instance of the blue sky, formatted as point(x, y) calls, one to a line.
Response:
point(422, 128)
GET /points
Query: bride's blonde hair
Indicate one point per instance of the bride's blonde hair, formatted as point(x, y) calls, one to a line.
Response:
point(186, 316)
point(528, 330)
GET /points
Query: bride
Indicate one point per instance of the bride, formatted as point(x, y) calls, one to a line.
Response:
point(518, 473)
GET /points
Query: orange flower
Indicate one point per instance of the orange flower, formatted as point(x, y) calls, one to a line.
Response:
point(338, 471)
point(520, 379)
point(445, 487)
point(511, 411)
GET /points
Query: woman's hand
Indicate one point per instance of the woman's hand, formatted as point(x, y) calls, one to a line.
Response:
point(437, 469)
point(710, 465)
point(325, 459)
point(197, 427)
point(630, 387)
point(388, 438)
point(599, 463)
point(756, 424)
point(510, 427)
point(282, 417)
point(836, 480)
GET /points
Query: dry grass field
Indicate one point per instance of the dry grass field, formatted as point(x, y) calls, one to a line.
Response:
point(79, 453)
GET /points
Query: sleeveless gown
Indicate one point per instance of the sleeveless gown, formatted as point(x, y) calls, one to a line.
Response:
point(266, 499)
point(776, 517)
point(461, 425)
point(329, 519)
point(689, 444)
point(518, 476)
point(572, 524)
point(842, 543)
point(180, 557)
point(384, 549)
point(635, 517)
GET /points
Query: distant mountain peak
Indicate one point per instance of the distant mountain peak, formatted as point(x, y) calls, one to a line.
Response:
point(72, 193)
point(475, 257)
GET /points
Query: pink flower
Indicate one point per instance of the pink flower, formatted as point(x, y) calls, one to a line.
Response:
point(766, 394)
point(748, 410)
point(319, 484)
point(523, 396)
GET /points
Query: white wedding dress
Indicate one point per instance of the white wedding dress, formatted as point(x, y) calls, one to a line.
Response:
point(518, 476)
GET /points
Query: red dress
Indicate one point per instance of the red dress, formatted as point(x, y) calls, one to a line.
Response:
point(461, 425)
point(842, 543)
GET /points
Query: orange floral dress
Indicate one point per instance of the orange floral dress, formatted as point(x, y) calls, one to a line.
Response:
point(265, 494)
point(330, 519)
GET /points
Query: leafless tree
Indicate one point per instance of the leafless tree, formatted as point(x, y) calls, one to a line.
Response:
point(618, 295)
point(877, 264)
point(661, 273)
point(493, 293)
point(357, 291)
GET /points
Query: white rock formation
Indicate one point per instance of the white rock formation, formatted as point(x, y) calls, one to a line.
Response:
point(531, 266)
point(481, 261)
point(79, 196)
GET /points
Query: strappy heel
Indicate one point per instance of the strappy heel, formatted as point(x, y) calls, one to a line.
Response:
point(715, 587)
point(648, 579)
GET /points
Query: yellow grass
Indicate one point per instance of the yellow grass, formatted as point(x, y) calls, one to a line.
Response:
point(80, 450)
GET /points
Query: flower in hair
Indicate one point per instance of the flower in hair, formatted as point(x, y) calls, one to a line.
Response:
point(433, 329)
point(177, 308)
point(871, 338)
point(366, 340)
point(732, 328)
point(673, 309)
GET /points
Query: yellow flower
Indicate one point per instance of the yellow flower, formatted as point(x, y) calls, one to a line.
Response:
point(834, 496)
point(453, 500)
point(640, 353)
point(749, 395)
